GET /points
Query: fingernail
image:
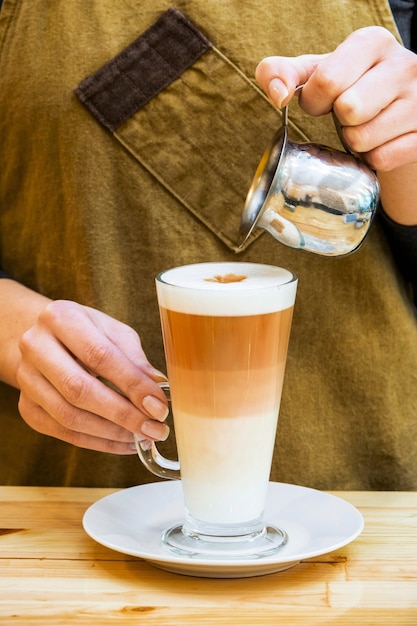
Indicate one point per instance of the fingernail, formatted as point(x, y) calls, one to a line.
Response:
point(277, 92)
point(156, 375)
point(155, 430)
point(157, 409)
point(145, 444)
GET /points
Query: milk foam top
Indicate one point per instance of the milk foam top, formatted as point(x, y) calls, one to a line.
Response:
point(226, 289)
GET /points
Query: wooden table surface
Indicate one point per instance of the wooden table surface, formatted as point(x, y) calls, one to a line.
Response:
point(51, 572)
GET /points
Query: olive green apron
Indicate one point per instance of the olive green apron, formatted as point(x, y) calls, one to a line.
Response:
point(102, 188)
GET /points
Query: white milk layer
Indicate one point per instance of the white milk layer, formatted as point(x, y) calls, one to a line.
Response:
point(225, 483)
point(194, 289)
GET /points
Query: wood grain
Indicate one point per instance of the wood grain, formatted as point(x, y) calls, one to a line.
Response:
point(51, 572)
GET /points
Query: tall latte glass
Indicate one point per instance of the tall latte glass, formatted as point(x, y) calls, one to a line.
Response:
point(226, 328)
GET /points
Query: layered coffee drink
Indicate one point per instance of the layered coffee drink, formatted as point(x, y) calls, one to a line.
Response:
point(226, 329)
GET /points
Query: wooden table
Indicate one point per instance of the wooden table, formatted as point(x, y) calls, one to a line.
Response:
point(51, 572)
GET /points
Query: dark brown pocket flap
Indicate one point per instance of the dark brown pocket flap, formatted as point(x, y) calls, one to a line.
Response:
point(189, 116)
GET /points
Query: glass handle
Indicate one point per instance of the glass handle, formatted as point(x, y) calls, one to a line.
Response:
point(153, 460)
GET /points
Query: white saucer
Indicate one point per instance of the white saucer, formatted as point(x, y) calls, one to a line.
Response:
point(132, 520)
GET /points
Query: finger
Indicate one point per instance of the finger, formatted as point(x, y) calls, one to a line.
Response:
point(80, 389)
point(39, 392)
point(355, 107)
point(344, 67)
point(128, 341)
point(280, 76)
point(43, 423)
point(102, 354)
point(393, 122)
point(122, 335)
point(393, 154)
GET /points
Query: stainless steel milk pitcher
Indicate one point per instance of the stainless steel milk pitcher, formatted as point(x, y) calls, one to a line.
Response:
point(310, 196)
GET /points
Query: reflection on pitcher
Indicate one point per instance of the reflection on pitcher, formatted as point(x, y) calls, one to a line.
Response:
point(311, 197)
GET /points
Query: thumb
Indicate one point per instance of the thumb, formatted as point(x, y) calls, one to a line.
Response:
point(280, 76)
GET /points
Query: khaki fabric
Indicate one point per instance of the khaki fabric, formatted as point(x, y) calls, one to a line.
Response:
point(93, 216)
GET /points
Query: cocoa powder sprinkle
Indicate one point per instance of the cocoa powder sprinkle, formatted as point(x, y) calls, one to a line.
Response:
point(226, 278)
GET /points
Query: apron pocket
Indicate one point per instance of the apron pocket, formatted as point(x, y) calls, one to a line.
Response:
point(189, 116)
